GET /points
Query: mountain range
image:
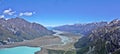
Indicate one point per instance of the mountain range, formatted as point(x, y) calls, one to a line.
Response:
point(104, 40)
point(99, 37)
point(83, 29)
point(17, 29)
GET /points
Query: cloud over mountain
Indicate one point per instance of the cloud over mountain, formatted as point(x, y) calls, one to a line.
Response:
point(2, 16)
point(8, 11)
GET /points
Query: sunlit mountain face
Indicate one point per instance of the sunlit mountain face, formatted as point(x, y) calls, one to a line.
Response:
point(59, 27)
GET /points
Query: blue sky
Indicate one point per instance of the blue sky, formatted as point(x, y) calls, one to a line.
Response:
point(60, 12)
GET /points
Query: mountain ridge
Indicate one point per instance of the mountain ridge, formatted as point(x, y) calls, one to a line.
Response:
point(104, 40)
point(18, 29)
point(83, 29)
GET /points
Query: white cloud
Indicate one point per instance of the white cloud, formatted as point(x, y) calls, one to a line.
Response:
point(2, 16)
point(21, 14)
point(9, 11)
point(27, 14)
point(15, 14)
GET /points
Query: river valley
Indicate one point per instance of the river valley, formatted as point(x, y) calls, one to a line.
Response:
point(54, 42)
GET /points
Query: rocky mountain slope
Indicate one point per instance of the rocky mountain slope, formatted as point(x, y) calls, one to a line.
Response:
point(18, 29)
point(80, 28)
point(105, 40)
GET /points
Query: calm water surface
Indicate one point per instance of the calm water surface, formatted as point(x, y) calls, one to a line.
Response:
point(20, 50)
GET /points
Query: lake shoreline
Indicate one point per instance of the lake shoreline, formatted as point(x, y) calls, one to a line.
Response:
point(54, 42)
point(20, 49)
point(38, 42)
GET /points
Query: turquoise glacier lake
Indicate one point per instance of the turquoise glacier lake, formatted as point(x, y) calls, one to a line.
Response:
point(20, 50)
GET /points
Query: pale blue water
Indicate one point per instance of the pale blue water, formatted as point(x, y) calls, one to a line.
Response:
point(20, 50)
point(64, 39)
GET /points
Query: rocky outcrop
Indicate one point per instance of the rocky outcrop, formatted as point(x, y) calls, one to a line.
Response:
point(104, 40)
point(18, 29)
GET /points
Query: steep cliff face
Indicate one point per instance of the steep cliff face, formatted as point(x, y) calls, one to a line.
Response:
point(104, 40)
point(18, 29)
point(80, 28)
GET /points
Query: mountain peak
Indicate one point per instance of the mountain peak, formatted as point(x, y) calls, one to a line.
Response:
point(115, 22)
point(17, 18)
point(2, 19)
point(18, 29)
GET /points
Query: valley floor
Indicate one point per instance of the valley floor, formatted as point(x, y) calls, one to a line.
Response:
point(38, 42)
point(65, 48)
point(47, 43)
point(59, 47)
